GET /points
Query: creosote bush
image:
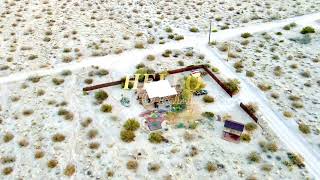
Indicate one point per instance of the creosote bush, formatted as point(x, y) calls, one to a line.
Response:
point(69, 170)
point(92, 133)
point(307, 30)
point(101, 95)
point(127, 136)
point(23, 143)
point(38, 154)
point(132, 165)
point(131, 125)
point(156, 137)
point(7, 170)
point(52, 163)
point(208, 99)
point(194, 29)
point(251, 126)
point(254, 157)
point(305, 129)
point(107, 108)
point(8, 137)
point(207, 114)
point(58, 137)
point(245, 137)
point(211, 167)
point(246, 35)
point(233, 85)
point(154, 167)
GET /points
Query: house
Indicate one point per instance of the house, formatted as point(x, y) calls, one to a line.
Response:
point(156, 93)
point(232, 131)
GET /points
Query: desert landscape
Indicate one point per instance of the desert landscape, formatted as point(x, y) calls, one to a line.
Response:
point(285, 65)
point(239, 98)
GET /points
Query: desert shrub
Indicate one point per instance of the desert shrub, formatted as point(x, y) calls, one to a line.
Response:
point(245, 42)
point(58, 137)
point(180, 63)
point(139, 45)
point(67, 59)
point(107, 108)
point(245, 137)
point(272, 147)
point(194, 29)
point(132, 165)
point(307, 30)
point(101, 95)
point(209, 115)
point(297, 105)
point(34, 79)
point(7, 159)
point(154, 167)
point(69, 170)
point(254, 157)
point(57, 81)
point(277, 71)
point(238, 65)
point(94, 145)
point(7, 170)
point(102, 72)
point(288, 114)
point(110, 173)
point(23, 143)
point(140, 65)
point(52, 163)
point(86, 122)
point(214, 69)
point(151, 57)
point(265, 87)
point(40, 92)
point(208, 99)
point(306, 74)
point(246, 35)
point(32, 57)
point(38, 154)
point(251, 126)
point(127, 136)
point(151, 40)
point(156, 137)
point(8, 137)
point(233, 85)
point(286, 27)
point(131, 125)
point(188, 136)
point(88, 81)
point(305, 129)
point(66, 73)
point(168, 30)
point(211, 167)
point(296, 159)
point(294, 98)
point(194, 151)
point(178, 37)
point(27, 112)
point(253, 108)
point(92, 133)
point(249, 73)
point(266, 167)
point(142, 71)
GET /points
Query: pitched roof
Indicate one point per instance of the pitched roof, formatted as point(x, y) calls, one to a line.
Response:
point(233, 125)
point(160, 88)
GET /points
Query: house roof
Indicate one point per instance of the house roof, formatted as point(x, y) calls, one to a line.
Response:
point(233, 125)
point(160, 89)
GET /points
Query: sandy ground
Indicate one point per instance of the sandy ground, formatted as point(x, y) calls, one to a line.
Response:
point(41, 34)
point(292, 73)
point(38, 127)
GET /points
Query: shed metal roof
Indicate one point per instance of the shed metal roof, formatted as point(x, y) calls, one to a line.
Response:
point(234, 125)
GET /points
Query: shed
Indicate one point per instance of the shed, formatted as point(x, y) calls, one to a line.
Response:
point(232, 131)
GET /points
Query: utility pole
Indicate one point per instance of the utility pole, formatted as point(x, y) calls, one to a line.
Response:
point(209, 32)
